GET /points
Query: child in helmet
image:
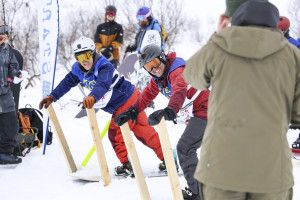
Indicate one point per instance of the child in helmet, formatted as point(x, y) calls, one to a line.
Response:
point(284, 26)
point(166, 72)
point(145, 22)
point(110, 92)
point(109, 36)
point(9, 68)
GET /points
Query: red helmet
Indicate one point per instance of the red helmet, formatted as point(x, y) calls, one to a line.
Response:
point(284, 23)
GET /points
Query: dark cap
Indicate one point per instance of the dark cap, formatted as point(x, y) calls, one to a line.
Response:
point(232, 5)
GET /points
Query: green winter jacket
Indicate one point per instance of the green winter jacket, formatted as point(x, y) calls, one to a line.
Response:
point(255, 78)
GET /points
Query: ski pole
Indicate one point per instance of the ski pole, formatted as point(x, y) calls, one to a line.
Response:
point(89, 155)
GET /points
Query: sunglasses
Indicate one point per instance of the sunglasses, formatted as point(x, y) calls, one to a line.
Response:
point(4, 30)
point(154, 64)
point(110, 13)
point(140, 17)
point(85, 56)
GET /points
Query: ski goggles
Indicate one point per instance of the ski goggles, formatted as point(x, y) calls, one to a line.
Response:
point(85, 56)
point(154, 64)
point(110, 12)
point(3, 37)
point(141, 17)
point(4, 30)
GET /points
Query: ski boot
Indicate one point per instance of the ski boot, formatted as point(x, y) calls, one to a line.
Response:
point(124, 170)
point(9, 159)
point(189, 195)
point(162, 166)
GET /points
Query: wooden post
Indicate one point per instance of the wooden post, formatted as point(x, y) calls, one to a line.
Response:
point(98, 146)
point(135, 163)
point(61, 139)
point(169, 159)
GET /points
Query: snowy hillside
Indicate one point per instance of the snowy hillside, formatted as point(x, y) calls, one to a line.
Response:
point(47, 176)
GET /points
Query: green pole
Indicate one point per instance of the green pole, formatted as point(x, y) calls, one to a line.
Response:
point(89, 155)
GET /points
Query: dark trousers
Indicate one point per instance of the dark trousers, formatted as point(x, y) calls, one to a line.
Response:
point(187, 146)
point(8, 132)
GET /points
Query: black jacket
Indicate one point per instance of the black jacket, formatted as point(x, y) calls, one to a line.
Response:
point(9, 68)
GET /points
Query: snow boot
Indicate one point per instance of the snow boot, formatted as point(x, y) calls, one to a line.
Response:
point(162, 166)
point(189, 195)
point(9, 159)
point(124, 170)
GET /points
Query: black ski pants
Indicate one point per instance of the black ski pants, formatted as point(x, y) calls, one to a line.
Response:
point(187, 146)
point(8, 132)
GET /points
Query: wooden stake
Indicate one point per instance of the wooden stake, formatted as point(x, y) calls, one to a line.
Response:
point(169, 159)
point(98, 146)
point(61, 139)
point(135, 163)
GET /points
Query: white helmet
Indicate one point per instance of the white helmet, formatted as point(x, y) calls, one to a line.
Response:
point(83, 44)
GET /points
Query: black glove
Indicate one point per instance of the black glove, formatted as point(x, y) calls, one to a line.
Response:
point(294, 127)
point(129, 49)
point(110, 48)
point(156, 116)
point(130, 114)
point(106, 53)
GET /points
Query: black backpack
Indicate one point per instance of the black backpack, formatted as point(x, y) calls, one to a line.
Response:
point(36, 121)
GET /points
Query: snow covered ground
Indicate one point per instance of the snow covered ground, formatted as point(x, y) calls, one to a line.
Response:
point(47, 176)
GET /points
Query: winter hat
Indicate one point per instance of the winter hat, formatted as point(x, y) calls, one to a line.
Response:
point(232, 5)
point(256, 13)
point(144, 11)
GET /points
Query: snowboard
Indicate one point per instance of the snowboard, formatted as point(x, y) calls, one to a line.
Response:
point(82, 113)
point(127, 66)
point(92, 178)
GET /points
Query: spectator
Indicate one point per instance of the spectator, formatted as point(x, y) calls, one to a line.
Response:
point(145, 22)
point(109, 36)
point(255, 75)
point(9, 68)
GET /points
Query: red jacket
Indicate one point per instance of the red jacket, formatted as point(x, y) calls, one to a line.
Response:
point(179, 92)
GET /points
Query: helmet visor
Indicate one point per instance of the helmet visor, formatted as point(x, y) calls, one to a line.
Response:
point(4, 30)
point(85, 56)
point(154, 64)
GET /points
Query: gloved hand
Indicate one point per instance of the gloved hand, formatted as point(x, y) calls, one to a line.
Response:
point(130, 114)
point(294, 127)
point(46, 101)
point(88, 102)
point(110, 48)
point(106, 53)
point(129, 49)
point(156, 116)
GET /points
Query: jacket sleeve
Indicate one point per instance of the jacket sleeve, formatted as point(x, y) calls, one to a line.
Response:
point(70, 80)
point(13, 66)
point(103, 82)
point(118, 42)
point(97, 39)
point(148, 94)
point(179, 89)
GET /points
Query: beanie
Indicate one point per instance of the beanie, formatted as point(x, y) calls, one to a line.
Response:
point(232, 5)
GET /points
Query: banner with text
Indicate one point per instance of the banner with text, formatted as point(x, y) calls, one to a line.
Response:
point(48, 21)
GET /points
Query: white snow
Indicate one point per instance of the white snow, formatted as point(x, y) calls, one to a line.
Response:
point(47, 176)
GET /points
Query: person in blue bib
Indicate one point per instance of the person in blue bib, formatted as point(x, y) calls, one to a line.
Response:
point(146, 22)
point(284, 26)
point(190, 103)
point(109, 91)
